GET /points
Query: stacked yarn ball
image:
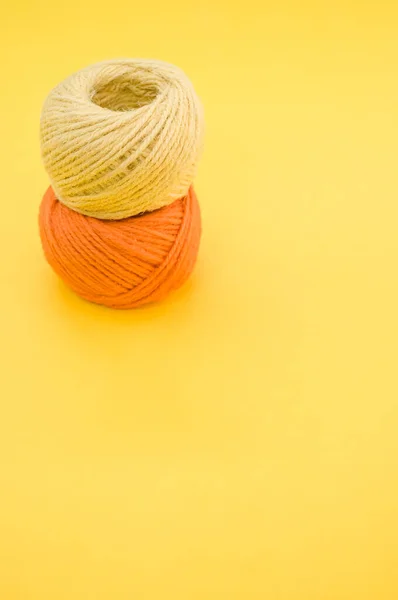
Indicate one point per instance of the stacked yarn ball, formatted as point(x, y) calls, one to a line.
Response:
point(120, 141)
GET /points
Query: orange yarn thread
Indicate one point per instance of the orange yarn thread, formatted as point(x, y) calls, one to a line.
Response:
point(126, 263)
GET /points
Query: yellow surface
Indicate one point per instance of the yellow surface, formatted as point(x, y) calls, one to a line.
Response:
point(239, 441)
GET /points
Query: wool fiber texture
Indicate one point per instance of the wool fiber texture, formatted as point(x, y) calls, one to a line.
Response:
point(122, 137)
point(126, 263)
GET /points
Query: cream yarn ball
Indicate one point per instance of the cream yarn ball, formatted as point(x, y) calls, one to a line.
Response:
point(122, 137)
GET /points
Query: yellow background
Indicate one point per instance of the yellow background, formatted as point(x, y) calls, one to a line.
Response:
point(238, 441)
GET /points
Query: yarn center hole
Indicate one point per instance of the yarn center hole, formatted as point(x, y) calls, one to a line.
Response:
point(124, 93)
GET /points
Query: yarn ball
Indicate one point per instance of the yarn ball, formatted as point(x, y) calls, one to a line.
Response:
point(122, 137)
point(125, 263)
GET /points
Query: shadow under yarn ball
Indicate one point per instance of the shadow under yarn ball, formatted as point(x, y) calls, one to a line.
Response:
point(125, 263)
point(122, 137)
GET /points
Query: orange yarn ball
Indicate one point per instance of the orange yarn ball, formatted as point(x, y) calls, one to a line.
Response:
point(126, 263)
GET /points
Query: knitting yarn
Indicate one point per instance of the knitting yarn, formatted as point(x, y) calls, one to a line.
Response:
point(125, 263)
point(120, 138)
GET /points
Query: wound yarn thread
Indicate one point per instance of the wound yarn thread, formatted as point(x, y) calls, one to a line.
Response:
point(122, 137)
point(125, 263)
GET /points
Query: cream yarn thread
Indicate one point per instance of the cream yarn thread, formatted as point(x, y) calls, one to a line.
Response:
point(122, 137)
